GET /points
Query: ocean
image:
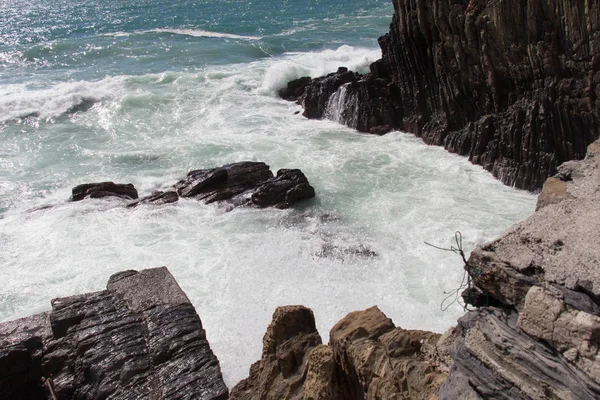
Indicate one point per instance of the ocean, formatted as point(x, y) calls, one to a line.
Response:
point(143, 91)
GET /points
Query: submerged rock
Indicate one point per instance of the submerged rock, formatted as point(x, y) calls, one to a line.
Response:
point(367, 358)
point(481, 79)
point(140, 338)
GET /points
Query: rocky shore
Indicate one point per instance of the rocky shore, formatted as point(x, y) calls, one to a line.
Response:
point(515, 86)
point(533, 331)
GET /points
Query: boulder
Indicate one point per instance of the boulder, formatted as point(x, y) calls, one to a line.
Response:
point(283, 190)
point(287, 345)
point(140, 338)
point(367, 358)
point(104, 189)
point(245, 183)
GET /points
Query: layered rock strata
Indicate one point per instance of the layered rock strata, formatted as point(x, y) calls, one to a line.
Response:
point(139, 339)
point(368, 357)
point(246, 183)
point(542, 341)
point(515, 86)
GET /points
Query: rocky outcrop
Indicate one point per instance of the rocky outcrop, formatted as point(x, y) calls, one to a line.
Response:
point(140, 339)
point(515, 86)
point(104, 189)
point(368, 357)
point(542, 340)
point(245, 183)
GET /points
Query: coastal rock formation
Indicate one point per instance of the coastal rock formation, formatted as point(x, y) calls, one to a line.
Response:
point(515, 86)
point(140, 338)
point(244, 183)
point(367, 358)
point(542, 341)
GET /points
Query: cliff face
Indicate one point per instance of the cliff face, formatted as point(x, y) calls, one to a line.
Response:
point(515, 86)
point(367, 358)
point(542, 340)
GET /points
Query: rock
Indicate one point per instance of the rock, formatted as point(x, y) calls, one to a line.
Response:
point(104, 189)
point(379, 361)
point(157, 198)
point(294, 89)
point(21, 351)
point(367, 358)
point(282, 368)
point(537, 337)
point(495, 359)
point(553, 245)
point(288, 187)
point(246, 183)
point(140, 338)
point(554, 191)
point(481, 79)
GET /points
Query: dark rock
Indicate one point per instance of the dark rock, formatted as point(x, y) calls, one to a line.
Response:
point(294, 89)
point(317, 93)
point(288, 187)
point(482, 80)
point(104, 189)
point(21, 351)
point(157, 198)
point(246, 183)
point(141, 338)
point(493, 359)
point(225, 182)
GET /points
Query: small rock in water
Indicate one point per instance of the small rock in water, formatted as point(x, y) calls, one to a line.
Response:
point(104, 189)
point(288, 187)
point(246, 183)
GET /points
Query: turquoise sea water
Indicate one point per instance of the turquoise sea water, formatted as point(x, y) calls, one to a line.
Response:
point(144, 91)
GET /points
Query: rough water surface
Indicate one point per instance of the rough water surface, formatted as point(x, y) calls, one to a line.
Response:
point(146, 91)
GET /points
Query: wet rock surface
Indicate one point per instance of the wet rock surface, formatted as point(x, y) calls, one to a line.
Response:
point(138, 339)
point(104, 189)
point(368, 357)
point(246, 183)
point(513, 86)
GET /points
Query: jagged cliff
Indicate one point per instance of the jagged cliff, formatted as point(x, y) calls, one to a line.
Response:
point(513, 85)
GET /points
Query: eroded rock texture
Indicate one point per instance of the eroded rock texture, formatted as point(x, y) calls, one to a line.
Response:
point(367, 358)
point(139, 339)
point(543, 340)
point(513, 85)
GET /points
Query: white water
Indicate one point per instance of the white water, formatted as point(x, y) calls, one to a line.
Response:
point(389, 194)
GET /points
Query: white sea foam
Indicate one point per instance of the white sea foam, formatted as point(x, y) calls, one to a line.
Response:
point(19, 101)
point(187, 32)
point(389, 194)
point(296, 65)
